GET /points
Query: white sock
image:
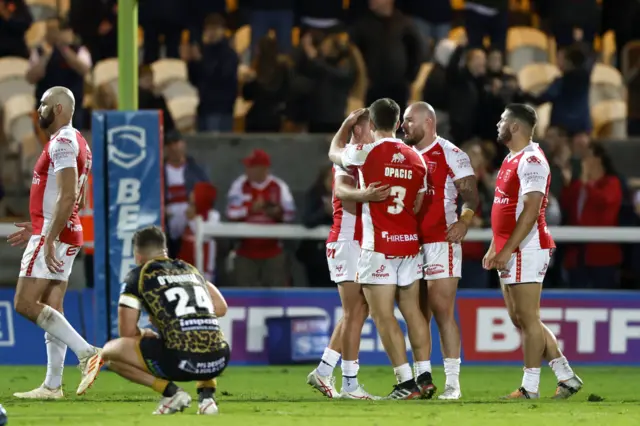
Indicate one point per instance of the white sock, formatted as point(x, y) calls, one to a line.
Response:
point(561, 368)
point(422, 367)
point(452, 372)
point(56, 352)
point(531, 380)
point(328, 362)
point(350, 375)
point(403, 373)
point(54, 323)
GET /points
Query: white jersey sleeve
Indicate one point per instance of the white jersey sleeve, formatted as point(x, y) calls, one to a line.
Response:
point(63, 152)
point(341, 171)
point(425, 185)
point(355, 155)
point(286, 201)
point(533, 172)
point(458, 161)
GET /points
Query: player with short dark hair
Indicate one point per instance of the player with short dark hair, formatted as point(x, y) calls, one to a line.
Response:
point(390, 264)
point(343, 250)
point(184, 307)
point(522, 246)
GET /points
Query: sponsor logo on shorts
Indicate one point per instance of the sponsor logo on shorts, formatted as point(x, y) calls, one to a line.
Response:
point(434, 269)
point(380, 273)
point(544, 270)
point(341, 270)
point(505, 274)
point(72, 251)
point(420, 268)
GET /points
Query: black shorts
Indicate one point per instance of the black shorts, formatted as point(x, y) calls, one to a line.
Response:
point(181, 366)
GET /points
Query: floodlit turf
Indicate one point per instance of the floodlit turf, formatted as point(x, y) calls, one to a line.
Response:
point(279, 396)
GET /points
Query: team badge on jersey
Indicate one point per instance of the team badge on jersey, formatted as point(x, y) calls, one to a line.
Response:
point(398, 158)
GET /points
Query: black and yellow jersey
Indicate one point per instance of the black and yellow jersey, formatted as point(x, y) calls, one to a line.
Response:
point(177, 299)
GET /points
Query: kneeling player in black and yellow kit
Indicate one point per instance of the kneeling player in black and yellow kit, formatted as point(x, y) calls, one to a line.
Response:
point(184, 307)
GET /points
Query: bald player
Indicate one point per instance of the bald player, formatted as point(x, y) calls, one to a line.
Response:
point(52, 239)
point(449, 174)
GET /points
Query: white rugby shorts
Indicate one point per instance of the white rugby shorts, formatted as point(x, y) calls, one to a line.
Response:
point(342, 258)
point(442, 260)
point(33, 265)
point(378, 268)
point(526, 266)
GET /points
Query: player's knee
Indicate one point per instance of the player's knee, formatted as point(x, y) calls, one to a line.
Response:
point(443, 310)
point(24, 307)
point(109, 350)
point(514, 320)
point(526, 319)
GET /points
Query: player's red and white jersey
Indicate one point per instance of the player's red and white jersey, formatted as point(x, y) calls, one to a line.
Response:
point(347, 224)
point(521, 173)
point(446, 163)
point(67, 148)
point(389, 227)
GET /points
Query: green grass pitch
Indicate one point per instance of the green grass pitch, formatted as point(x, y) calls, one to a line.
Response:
point(279, 396)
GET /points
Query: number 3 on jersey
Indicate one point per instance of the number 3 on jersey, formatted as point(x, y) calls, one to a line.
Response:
point(186, 301)
point(398, 193)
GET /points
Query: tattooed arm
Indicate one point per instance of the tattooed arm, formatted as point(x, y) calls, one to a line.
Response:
point(468, 189)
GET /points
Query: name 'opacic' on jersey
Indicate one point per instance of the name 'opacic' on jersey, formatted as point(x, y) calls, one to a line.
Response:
point(520, 174)
point(389, 227)
point(177, 299)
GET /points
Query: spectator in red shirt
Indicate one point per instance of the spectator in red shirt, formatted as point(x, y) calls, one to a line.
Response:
point(201, 201)
point(259, 197)
point(593, 200)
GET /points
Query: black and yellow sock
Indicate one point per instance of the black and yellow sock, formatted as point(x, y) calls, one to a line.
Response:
point(165, 387)
point(206, 389)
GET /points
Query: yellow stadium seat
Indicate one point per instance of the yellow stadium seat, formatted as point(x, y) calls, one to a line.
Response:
point(418, 85)
point(534, 78)
point(17, 116)
point(242, 39)
point(526, 36)
point(606, 74)
point(610, 119)
point(608, 47)
point(456, 34)
point(167, 70)
point(13, 67)
point(544, 117)
point(105, 72)
point(183, 110)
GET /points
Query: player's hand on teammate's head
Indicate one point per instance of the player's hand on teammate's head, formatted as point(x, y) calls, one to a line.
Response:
point(352, 119)
point(21, 237)
point(53, 264)
point(374, 192)
point(457, 231)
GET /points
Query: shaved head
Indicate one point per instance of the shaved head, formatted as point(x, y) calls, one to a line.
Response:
point(419, 124)
point(62, 96)
point(56, 108)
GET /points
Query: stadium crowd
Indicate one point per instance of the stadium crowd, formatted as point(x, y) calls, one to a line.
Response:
point(298, 66)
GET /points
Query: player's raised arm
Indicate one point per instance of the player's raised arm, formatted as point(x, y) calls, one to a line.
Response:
point(219, 304)
point(341, 138)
